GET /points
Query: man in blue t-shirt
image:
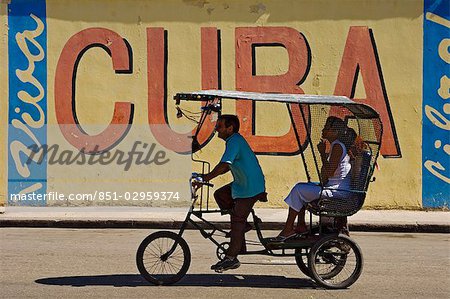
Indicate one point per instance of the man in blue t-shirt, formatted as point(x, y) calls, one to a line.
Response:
point(247, 188)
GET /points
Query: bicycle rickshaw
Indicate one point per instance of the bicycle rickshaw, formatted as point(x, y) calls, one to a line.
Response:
point(325, 253)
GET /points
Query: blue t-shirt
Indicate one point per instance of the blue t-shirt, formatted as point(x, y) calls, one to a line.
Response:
point(247, 173)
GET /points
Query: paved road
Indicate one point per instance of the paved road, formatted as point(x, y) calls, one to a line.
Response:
point(71, 263)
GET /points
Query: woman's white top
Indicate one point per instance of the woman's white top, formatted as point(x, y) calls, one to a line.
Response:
point(342, 176)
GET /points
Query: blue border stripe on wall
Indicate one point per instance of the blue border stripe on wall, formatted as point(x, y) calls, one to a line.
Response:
point(436, 105)
point(27, 115)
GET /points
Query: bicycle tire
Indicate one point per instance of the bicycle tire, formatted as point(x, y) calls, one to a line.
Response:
point(336, 253)
point(161, 271)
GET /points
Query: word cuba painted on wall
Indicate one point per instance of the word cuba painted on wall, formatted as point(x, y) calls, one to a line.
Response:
point(359, 56)
point(28, 74)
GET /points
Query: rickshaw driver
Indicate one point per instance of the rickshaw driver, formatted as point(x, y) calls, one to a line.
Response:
point(247, 188)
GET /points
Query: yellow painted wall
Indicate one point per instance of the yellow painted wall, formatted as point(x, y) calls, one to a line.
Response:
point(396, 27)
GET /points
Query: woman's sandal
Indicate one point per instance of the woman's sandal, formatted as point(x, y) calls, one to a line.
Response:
point(280, 238)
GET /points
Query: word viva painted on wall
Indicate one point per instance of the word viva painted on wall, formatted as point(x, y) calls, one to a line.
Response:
point(27, 46)
point(359, 58)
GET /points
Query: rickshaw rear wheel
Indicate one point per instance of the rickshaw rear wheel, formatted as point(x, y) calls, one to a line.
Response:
point(159, 262)
point(301, 258)
point(335, 262)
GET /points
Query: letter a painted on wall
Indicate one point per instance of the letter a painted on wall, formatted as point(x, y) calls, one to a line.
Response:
point(360, 56)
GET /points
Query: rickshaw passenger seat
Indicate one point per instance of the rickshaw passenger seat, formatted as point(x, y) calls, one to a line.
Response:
point(360, 171)
point(338, 207)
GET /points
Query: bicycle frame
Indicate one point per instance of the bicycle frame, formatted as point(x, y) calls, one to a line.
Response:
point(268, 247)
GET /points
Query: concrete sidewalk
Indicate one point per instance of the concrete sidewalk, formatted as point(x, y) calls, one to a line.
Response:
point(171, 218)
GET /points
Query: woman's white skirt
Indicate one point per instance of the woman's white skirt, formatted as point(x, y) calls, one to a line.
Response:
point(302, 193)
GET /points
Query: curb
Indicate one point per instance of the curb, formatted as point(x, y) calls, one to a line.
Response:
point(149, 224)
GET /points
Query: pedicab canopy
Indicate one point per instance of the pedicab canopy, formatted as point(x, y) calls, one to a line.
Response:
point(359, 109)
point(308, 114)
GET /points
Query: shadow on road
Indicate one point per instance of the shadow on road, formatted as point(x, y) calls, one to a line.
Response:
point(205, 280)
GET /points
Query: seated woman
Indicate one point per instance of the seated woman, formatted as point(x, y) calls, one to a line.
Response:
point(335, 175)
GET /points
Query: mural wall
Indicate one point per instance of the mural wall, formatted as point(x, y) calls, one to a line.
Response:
point(436, 106)
point(87, 75)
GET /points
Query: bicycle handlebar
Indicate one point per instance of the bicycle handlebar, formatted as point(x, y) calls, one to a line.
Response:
point(197, 179)
point(205, 184)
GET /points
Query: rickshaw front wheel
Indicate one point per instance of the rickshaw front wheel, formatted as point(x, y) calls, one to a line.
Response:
point(335, 262)
point(163, 258)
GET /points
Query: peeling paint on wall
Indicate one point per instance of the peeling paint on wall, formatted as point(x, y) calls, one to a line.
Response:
point(258, 8)
point(197, 3)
